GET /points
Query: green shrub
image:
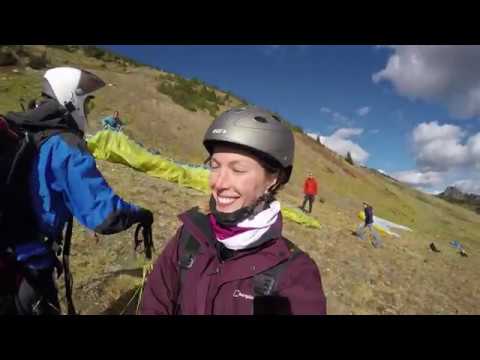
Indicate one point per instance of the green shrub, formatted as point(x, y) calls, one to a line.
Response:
point(69, 48)
point(192, 94)
point(93, 51)
point(7, 58)
point(38, 62)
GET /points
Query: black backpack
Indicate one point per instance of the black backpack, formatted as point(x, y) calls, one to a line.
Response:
point(21, 136)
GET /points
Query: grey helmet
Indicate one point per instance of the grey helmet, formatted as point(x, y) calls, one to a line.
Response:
point(256, 129)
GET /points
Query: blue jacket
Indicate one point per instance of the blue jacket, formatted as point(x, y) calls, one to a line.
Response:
point(112, 123)
point(65, 180)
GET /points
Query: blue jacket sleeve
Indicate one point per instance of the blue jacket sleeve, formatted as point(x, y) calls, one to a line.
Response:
point(86, 193)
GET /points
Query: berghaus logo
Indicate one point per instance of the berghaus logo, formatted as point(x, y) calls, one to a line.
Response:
point(219, 131)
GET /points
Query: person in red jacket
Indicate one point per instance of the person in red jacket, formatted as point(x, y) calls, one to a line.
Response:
point(310, 190)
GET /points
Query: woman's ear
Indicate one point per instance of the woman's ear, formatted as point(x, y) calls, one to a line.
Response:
point(272, 179)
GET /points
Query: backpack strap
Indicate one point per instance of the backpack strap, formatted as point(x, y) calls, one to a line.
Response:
point(39, 137)
point(266, 283)
point(30, 142)
point(187, 251)
point(22, 153)
point(188, 244)
point(66, 267)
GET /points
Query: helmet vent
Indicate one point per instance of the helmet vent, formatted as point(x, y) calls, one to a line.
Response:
point(276, 118)
point(260, 119)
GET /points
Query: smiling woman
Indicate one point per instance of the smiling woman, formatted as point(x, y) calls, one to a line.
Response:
point(237, 179)
point(238, 247)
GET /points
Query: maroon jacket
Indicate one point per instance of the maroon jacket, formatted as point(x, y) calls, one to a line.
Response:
point(215, 287)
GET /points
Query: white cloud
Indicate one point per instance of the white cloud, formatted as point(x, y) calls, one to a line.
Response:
point(469, 186)
point(339, 142)
point(431, 191)
point(374, 131)
point(316, 136)
point(441, 148)
point(473, 146)
point(438, 73)
point(363, 111)
point(419, 179)
point(347, 133)
point(427, 132)
point(445, 155)
point(312, 135)
point(325, 110)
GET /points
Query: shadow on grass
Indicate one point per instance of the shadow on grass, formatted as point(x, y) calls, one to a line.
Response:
point(127, 303)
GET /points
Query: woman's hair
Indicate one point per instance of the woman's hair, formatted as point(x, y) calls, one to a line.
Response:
point(272, 168)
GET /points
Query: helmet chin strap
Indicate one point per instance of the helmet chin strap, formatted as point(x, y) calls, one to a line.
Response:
point(68, 116)
point(233, 218)
point(75, 113)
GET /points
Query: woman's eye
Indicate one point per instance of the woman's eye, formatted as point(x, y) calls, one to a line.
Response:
point(239, 171)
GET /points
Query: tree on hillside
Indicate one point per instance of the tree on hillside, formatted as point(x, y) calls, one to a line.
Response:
point(349, 158)
point(38, 62)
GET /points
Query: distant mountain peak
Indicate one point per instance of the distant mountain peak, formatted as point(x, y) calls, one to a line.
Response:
point(455, 195)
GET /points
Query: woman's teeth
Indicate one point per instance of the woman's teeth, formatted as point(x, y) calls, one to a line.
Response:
point(225, 200)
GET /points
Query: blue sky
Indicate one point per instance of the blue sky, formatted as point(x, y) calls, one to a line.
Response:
point(411, 111)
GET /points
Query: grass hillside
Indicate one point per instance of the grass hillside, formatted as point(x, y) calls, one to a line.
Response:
point(166, 112)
